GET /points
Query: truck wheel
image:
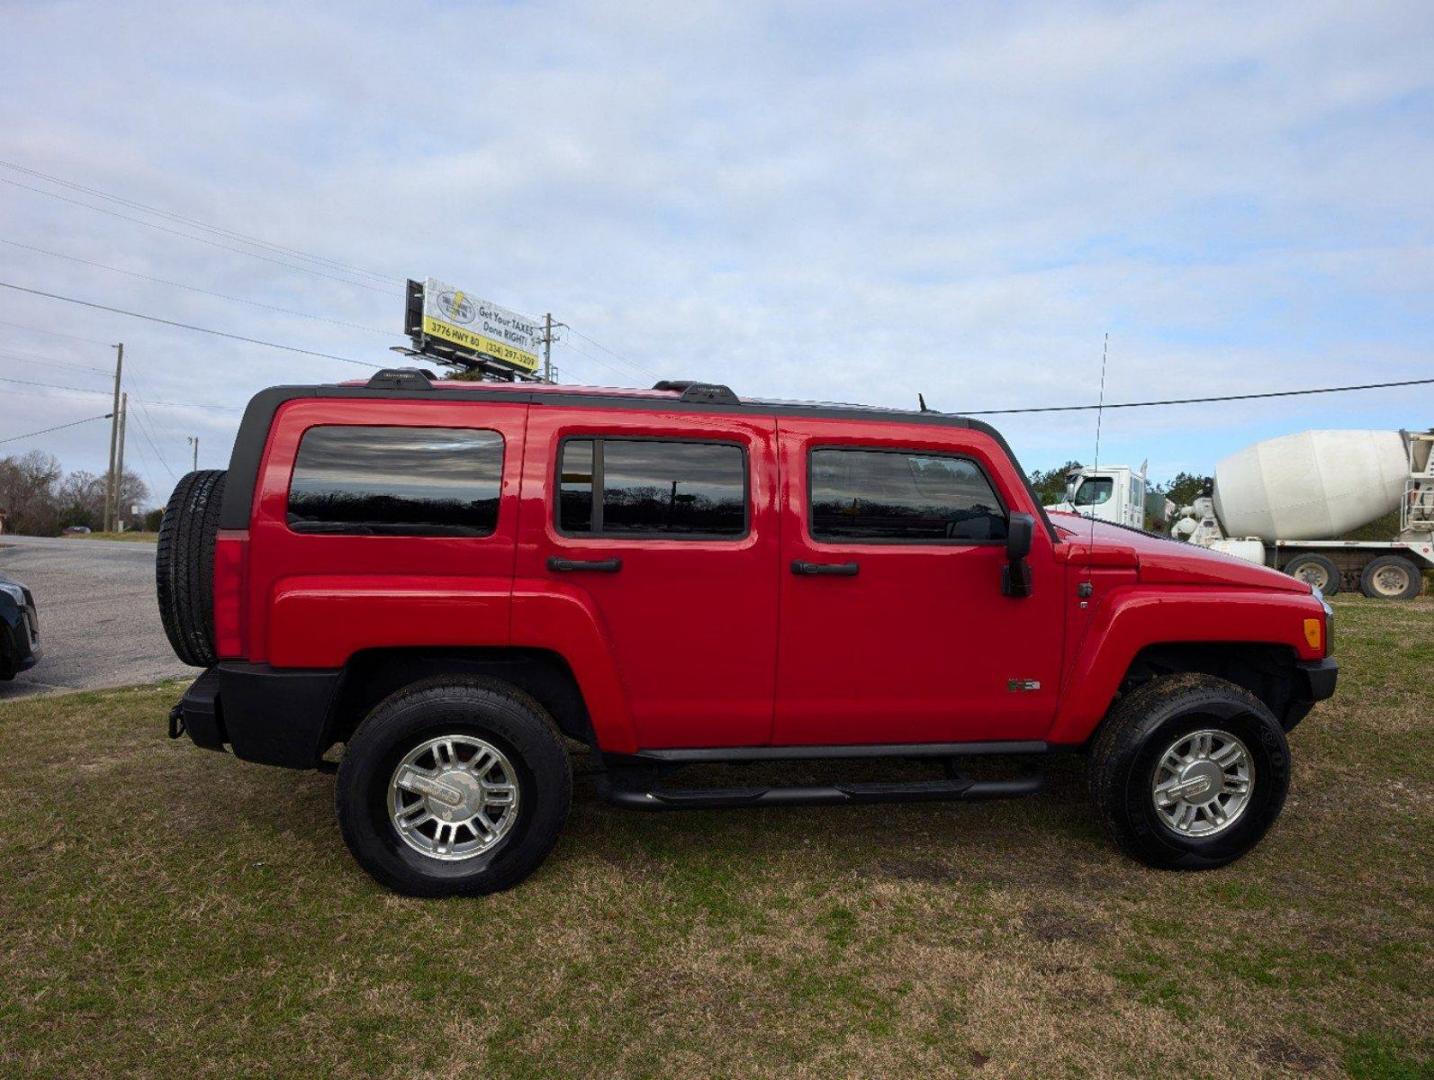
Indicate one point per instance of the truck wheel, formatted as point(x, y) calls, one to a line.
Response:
point(1189, 772)
point(1317, 570)
point(1391, 577)
point(184, 565)
point(453, 786)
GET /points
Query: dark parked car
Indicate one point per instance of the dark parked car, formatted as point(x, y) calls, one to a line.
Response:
point(19, 629)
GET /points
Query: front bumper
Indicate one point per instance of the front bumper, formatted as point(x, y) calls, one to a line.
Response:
point(1314, 681)
point(272, 716)
point(20, 649)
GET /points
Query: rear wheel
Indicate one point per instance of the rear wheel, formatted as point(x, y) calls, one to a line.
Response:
point(453, 786)
point(1189, 772)
point(184, 565)
point(1316, 570)
point(1391, 577)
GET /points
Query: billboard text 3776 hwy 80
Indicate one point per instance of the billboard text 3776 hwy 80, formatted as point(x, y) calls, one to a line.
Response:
point(455, 316)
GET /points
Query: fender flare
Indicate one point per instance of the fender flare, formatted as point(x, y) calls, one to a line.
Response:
point(563, 620)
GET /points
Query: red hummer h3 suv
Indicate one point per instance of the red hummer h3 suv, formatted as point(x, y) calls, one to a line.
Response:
point(451, 578)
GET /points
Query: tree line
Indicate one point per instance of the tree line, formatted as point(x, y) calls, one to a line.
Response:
point(38, 498)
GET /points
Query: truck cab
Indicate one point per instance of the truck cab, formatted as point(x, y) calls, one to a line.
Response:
point(1114, 493)
point(443, 582)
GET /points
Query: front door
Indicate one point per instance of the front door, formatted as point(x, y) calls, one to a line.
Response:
point(894, 628)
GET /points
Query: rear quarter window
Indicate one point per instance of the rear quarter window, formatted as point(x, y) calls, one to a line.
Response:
point(360, 480)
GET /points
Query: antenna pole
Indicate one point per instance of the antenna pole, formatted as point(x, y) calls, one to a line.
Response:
point(1099, 413)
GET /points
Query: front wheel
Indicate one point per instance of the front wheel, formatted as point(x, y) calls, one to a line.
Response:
point(1189, 772)
point(453, 786)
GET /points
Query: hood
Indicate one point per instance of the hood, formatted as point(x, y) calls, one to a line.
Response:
point(1161, 561)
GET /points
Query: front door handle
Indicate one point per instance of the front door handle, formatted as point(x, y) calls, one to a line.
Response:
point(596, 566)
point(834, 569)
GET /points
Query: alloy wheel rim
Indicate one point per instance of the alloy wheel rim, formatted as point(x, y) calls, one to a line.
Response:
point(1203, 783)
point(453, 797)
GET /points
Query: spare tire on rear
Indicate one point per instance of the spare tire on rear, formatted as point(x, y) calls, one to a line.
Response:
point(184, 565)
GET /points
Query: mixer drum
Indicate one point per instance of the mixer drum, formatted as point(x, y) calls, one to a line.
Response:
point(1316, 485)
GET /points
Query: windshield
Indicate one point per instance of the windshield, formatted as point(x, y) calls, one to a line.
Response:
point(1094, 490)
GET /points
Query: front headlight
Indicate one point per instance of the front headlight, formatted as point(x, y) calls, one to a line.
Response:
point(1328, 620)
point(14, 592)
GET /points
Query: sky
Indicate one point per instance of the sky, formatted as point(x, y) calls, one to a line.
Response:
point(835, 201)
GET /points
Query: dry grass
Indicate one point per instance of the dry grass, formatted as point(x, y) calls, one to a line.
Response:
point(167, 911)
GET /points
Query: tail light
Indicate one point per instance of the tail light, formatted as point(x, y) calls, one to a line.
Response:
point(230, 560)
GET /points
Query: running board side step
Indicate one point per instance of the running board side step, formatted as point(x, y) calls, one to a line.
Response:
point(959, 788)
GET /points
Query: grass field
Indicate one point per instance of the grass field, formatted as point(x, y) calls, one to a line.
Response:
point(134, 536)
point(168, 911)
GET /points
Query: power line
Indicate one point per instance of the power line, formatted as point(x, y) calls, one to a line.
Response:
point(57, 333)
point(630, 363)
point(152, 445)
point(197, 289)
point(188, 326)
point(106, 393)
point(1199, 400)
point(54, 386)
point(29, 358)
point(191, 236)
point(58, 427)
point(171, 215)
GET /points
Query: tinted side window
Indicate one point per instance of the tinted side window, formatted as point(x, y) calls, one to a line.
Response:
point(396, 481)
point(885, 495)
point(652, 487)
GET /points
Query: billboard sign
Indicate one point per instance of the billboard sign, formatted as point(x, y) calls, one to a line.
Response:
point(479, 328)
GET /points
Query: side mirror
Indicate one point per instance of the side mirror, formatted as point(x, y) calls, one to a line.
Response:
point(1016, 577)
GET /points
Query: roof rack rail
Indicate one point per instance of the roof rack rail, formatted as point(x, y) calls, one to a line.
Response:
point(402, 378)
point(699, 391)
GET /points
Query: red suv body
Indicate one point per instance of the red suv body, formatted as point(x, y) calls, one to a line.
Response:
point(677, 575)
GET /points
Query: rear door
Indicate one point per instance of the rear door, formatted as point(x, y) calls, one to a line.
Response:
point(894, 626)
point(663, 525)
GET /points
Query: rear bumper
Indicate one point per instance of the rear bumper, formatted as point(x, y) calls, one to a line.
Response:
point(267, 715)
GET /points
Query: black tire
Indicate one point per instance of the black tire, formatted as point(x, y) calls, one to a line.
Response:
point(498, 714)
point(184, 565)
point(1317, 570)
point(1383, 572)
point(1127, 752)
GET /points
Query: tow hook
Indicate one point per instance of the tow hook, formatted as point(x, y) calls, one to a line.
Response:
point(176, 721)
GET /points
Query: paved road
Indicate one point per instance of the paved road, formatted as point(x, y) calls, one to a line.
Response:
point(99, 622)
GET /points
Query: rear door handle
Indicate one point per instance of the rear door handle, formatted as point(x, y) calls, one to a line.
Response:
point(834, 569)
point(596, 566)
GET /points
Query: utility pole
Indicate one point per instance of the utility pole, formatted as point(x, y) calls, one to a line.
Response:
point(548, 347)
point(111, 499)
point(194, 442)
point(119, 469)
point(548, 327)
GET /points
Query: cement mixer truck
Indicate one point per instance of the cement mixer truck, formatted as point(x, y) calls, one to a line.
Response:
point(1284, 502)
